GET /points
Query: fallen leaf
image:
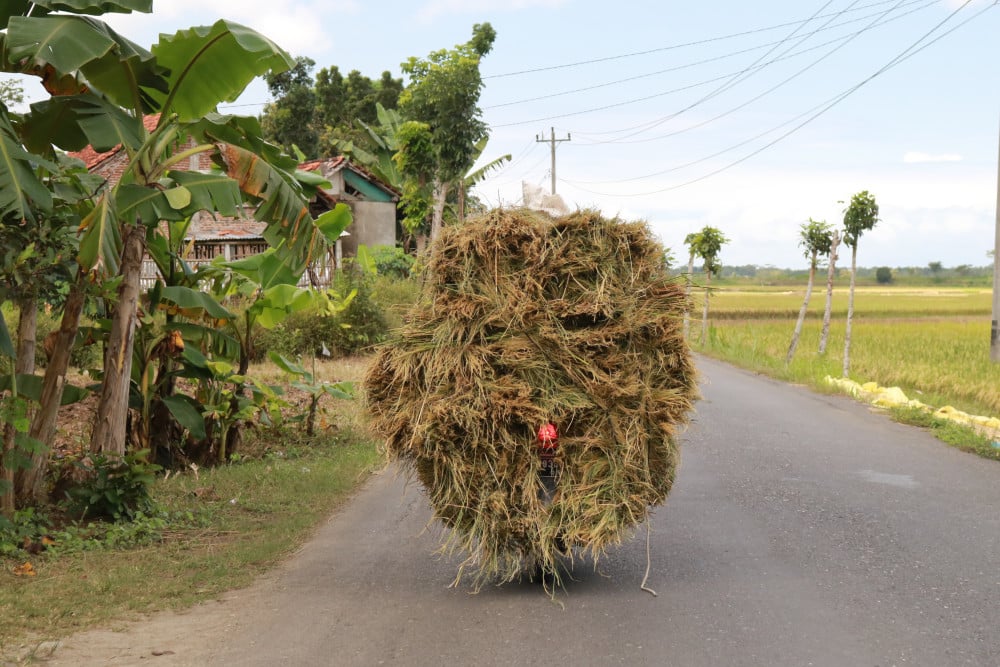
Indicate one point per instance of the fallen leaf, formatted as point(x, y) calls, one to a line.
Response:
point(26, 570)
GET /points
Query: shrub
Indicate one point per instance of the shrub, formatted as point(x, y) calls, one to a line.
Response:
point(395, 297)
point(362, 324)
point(391, 261)
point(112, 488)
point(305, 333)
point(26, 524)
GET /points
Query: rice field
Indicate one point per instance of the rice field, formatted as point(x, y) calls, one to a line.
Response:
point(932, 343)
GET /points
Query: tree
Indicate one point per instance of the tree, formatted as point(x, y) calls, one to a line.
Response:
point(102, 86)
point(288, 120)
point(38, 268)
point(830, 275)
point(344, 107)
point(11, 92)
point(816, 238)
point(707, 244)
point(443, 98)
point(883, 275)
point(860, 216)
point(321, 117)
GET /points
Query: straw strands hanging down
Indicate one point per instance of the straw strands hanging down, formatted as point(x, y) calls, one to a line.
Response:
point(524, 320)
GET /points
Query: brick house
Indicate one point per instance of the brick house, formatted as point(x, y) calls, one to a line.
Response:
point(372, 203)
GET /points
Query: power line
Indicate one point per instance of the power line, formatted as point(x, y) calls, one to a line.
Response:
point(843, 41)
point(737, 108)
point(669, 47)
point(698, 62)
point(906, 54)
point(737, 76)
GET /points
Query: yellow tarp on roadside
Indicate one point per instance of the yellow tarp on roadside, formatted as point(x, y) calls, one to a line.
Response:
point(894, 397)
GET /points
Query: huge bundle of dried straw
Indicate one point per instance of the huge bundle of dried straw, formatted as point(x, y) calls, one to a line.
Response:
point(526, 320)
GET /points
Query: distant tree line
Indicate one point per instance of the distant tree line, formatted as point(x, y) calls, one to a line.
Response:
point(934, 272)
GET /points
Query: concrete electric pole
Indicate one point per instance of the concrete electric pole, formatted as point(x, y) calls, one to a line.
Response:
point(540, 138)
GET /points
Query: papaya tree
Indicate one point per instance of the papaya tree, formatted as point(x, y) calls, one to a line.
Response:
point(831, 273)
point(102, 86)
point(692, 241)
point(815, 238)
point(707, 244)
point(860, 216)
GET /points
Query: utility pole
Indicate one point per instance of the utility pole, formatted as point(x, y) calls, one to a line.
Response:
point(994, 332)
point(540, 138)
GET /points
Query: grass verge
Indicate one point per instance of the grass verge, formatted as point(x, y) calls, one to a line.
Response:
point(216, 530)
point(958, 436)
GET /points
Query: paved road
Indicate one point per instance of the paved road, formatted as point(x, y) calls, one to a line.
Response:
point(803, 530)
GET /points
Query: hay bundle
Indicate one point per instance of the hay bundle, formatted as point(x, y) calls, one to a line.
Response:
point(526, 320)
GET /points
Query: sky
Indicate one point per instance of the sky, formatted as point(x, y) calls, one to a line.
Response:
point(749, 117)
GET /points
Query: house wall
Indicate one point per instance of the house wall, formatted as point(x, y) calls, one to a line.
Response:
point(111, 170)
point(336, 179)
point(374, 224)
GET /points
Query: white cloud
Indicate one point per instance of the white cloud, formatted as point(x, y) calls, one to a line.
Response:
point(916, 157)
point(435, 8)
point(295, 25)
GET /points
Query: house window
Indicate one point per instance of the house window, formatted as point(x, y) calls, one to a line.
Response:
point(206, 250)
point(247, 249)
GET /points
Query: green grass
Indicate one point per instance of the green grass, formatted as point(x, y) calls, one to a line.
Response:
point(217, 529)
point(241, 520)
point(947, 431)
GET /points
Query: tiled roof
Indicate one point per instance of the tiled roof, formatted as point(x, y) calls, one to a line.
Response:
point(207, 227)
point(332, 163)
point(92, 158)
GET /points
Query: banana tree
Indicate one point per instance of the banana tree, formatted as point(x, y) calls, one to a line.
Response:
point(102, 85)
point(475, 176)
point(314, 388)
point(382, 143)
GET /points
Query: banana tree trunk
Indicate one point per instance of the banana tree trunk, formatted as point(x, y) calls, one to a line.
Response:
point(802, 311)
point(850, 309)
point(30, 482)
point(24, 364)
point(7, 474)
point(109, 433)
point(825, 333)
point(687, 298)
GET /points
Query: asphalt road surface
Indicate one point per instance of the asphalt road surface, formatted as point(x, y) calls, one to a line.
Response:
point(803, 530)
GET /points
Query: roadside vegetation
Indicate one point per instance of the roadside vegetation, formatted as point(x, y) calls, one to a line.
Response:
point(203, 533)
point(171, 537)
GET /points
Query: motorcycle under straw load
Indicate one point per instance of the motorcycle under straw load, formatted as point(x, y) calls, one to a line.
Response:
point(548, 445)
